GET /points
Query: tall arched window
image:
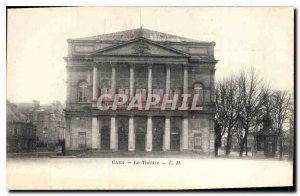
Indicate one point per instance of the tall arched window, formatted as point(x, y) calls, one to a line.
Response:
point(82, 91)
point(198, 89)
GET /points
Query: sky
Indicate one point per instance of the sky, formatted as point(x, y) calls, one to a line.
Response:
point(259, 37)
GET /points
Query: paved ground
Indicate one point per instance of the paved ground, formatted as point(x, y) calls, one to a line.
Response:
point(99, 154)
point(108, 154)
point(144, 173)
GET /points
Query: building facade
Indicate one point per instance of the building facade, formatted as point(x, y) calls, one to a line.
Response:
point(20, 133)
point(139, 61)
point(49, 120)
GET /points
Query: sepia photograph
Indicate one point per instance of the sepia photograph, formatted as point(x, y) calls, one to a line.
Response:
point(150, 98)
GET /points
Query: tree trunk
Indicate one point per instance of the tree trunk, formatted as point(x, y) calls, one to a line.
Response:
point(228, 144)
point(291, 142)
point(246, 144)
point(280, 147)
point(242, 147)
point(216, 149)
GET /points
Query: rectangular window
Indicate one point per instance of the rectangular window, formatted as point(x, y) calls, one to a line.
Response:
point(198, 141)
point(81, 139)
point(15, 132)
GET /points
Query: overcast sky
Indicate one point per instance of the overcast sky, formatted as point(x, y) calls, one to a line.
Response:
point(245, 37)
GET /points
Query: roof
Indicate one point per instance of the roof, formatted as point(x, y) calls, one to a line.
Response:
point(136, 33)
point(13, 114)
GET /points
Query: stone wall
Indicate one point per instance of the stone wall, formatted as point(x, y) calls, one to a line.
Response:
point(79, 124)
point(74, 78)
point(201, 128)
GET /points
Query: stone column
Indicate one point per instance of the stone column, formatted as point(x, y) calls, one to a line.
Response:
point(166, 142)
point(168, 79)
point(131, 83)
point(185, 133)
point(149, 79)
point(113, 79)
point(95, 86)
point(95, 132)
point(149, 134)
point(131, 135)
point(185, 79)
point(113, 134)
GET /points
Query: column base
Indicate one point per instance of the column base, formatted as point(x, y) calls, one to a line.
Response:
point(148, 149)
point(131, 149)
point(184, 150)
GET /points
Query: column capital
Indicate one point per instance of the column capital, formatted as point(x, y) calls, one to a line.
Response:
point(113, 65)
point(167, 65)
point(131, 65)
point(99, 64)
point(185, 66)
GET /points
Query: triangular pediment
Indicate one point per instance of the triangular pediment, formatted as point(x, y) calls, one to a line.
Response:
point(139, 47)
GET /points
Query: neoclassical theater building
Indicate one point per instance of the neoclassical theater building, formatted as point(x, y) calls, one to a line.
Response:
point(139, 61)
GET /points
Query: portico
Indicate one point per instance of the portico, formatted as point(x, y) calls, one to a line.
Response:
point(148, 146)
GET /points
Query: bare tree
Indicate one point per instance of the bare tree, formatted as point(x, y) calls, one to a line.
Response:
point(248, 106)
point(280, 115)
point(226, 109)
point(241, 103)
point(291, 128)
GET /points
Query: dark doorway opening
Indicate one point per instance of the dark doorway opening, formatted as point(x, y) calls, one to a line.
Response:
point(157, 131)
point(140, 127)
point(105, 138)
point(123, 139)
point(140, 139)
point(175, 140)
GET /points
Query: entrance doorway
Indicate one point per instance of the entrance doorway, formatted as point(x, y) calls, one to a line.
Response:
point(175, 139)
point(122, 139)
point(140, 127)
point(140, 139)
point(157, 131)
point(105, 138)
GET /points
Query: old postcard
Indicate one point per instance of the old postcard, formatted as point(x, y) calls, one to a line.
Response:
point(149, 98)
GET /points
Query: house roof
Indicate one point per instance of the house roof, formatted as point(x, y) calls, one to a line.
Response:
point(136, 33)
point(13, 114)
